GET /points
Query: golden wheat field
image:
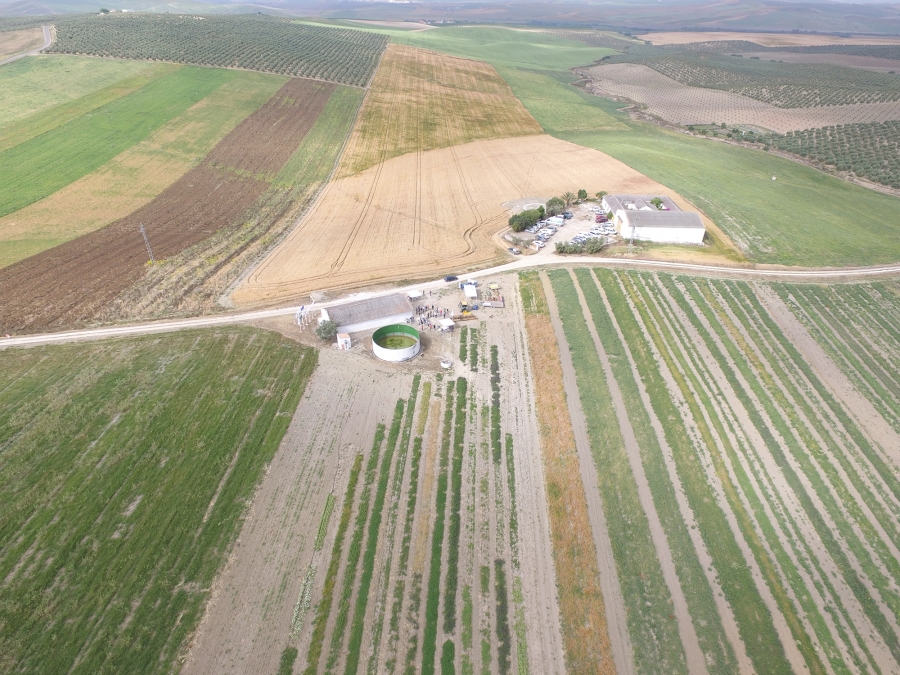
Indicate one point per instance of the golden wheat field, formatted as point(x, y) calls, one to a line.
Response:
point(428, 213)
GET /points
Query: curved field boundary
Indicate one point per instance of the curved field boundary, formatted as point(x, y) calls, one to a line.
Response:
point(47, 37)
point(72, 282)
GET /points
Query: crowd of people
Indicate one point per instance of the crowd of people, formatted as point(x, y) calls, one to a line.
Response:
point(425, 314)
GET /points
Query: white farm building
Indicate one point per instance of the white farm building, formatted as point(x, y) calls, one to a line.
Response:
point(652, 218)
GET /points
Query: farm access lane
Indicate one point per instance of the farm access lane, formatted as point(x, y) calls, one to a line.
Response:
point(537, 261)
point(48, 40)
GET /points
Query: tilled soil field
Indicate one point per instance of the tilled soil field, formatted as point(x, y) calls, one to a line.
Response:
point(70, 284)
point(683, 104)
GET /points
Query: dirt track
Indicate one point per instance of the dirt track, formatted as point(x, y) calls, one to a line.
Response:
point(68, 285)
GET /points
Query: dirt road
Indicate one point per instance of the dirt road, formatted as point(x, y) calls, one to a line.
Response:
point(48, 40)
point(538, 261)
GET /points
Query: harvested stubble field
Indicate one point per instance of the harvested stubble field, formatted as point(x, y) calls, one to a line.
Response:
point(71, 283)
point(422, 100)
point(127, 467)
point(766, 39)
point(684, 104)
point(437, 549)
point(427, 213)
point(760, 483)
point(132, 178)
point(17, 41)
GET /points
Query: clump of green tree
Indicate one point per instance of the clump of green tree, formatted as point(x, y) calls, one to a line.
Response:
point(555, 206)
point(591, 245)
point(327, 330)
point(524, 220)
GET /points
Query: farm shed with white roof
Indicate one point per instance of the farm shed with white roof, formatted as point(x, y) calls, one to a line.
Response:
point(679, 227)
point(361, 315)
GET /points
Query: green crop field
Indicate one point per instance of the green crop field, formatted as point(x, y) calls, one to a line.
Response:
point(45, 82)
point(252, 42)
point(44, 164)
point(126, 468)
point(764, 452)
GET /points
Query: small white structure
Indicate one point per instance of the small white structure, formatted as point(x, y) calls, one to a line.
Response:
point(447, 325)
point(471, 291)
point(415, 295)
point(343, 342)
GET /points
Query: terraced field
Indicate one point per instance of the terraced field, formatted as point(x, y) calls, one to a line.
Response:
point(127, 466)
point(748, 475)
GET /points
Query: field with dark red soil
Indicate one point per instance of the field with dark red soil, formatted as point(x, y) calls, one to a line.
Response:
point(69, 285)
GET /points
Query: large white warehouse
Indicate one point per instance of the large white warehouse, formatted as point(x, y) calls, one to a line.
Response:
point(654, 218)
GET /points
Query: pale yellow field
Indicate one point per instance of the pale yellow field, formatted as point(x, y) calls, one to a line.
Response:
point(765, 39)
point(421, 100)
point(136, 176)
point(428, 214)
point(17, 41)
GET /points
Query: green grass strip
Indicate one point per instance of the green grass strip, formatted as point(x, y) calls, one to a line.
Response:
point(433, 596)
point(496, 444)
point(504, 639)
point(464, 344)
point(448, 658)
point(717, 650)
point(324, 608)
point(513, 510)
point(452, 579)
point(368, 560)
point(655, 637)
point(824, 493)
point(286, 665)
point(473, 349)
point(353, 554)
point(37, 168)
point(753, 617)
point(396, 487)
point(323, 522)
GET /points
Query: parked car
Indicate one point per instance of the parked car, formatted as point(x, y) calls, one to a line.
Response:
point(450, 277)
point(567, 215)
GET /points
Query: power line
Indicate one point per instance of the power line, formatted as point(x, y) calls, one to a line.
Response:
point(147, 242)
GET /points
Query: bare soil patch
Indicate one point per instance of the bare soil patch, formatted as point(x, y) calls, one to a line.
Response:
point(765, 39)
point(682, 104)
point(422, 100)
point(427, 213)
point(408, 25)
point(17, 41)
point(68, 285)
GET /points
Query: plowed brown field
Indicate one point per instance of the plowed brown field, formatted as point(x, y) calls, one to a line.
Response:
point(421, 100)
point(428, 213)
point(69, 284)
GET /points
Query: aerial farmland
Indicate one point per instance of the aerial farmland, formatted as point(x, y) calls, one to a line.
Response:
point(288, 387)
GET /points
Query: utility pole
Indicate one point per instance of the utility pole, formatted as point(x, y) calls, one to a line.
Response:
point(147, 243)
